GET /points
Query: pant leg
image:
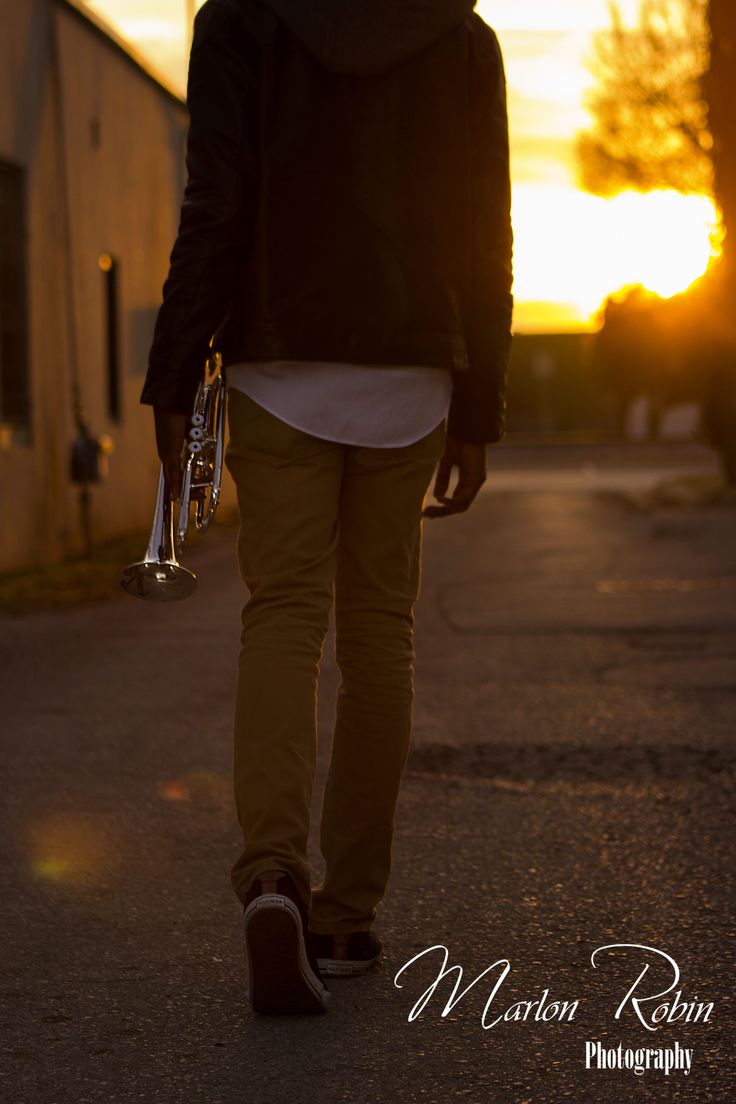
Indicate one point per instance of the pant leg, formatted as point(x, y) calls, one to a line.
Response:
point(288, 486)
point(377, 584)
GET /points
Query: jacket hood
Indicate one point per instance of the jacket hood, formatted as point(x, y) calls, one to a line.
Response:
point(364, 37)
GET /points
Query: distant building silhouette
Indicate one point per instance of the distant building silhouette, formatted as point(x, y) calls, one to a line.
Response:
point(552, 387)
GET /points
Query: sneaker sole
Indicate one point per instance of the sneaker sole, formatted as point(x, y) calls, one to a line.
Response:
point(280, 977)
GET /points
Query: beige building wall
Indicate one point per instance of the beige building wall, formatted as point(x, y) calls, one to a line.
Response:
point(94, 118)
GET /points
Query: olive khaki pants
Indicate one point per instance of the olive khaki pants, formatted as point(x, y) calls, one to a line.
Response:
point(321, 521)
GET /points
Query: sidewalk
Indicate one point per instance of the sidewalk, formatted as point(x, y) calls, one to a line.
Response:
point(570, 786)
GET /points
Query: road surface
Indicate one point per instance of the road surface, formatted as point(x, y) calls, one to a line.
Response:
point(570, 788)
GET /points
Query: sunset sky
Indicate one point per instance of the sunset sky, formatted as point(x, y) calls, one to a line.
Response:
point(572, 249)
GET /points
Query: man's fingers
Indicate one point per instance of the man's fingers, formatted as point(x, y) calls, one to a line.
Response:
point(470, 460)
point(462, 497)
point(171, 428)
point(464, 494)
point(172, 475)
point(442, 481)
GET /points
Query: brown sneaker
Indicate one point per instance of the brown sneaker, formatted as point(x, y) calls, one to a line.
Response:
point(346, 955)
point(283, 975)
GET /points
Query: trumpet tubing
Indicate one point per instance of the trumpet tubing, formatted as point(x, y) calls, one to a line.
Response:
point(159, 576)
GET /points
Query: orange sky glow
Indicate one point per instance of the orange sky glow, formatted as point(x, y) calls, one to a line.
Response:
point(571, 249)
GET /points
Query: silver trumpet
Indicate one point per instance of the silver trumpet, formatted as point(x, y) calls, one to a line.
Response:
point(159, 576)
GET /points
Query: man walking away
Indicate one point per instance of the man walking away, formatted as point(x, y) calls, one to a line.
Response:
point(345, 241)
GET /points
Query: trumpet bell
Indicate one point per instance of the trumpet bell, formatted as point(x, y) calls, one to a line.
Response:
point(162, 582)
point(159, 576)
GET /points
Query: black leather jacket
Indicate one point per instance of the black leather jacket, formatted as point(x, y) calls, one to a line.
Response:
point(347, 200)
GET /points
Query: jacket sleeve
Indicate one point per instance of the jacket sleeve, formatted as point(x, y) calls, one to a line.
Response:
point(478, 405)
point(217, 198)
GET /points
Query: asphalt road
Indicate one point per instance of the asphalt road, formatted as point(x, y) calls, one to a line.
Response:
point(570, 788)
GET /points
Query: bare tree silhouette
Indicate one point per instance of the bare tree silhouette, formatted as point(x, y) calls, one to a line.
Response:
point(650, 115)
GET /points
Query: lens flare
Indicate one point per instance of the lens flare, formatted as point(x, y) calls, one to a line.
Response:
point(75, 848)
point(204, 789)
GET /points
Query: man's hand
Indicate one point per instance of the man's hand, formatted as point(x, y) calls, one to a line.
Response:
point(171, 432)
point(470, 460)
